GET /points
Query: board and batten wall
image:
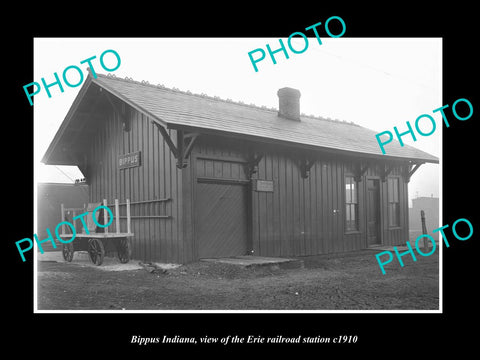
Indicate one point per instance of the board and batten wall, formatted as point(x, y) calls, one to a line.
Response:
point(300, 217)
point(153, 187)
point(307, 216)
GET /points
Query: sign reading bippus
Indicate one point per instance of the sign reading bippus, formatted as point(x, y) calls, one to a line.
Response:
point(129, 160)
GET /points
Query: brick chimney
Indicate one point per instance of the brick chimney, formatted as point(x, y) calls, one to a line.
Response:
point(289, 103)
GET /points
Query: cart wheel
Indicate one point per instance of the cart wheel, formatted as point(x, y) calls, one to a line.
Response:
point(67, 252)
point(123, 250)
point(96, 251)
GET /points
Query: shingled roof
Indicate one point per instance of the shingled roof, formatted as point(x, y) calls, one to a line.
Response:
point(204, 114)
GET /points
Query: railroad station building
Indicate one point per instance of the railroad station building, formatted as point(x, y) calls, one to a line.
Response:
point(208, 177)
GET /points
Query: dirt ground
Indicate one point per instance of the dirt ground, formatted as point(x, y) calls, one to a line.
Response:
point(351, 281)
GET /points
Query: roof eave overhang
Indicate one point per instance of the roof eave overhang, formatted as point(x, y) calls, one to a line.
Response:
point(130, 103)
point(52, 148)
point(46, 159)
point(306, 147)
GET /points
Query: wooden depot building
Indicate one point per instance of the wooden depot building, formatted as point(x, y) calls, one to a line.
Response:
point(208, 177)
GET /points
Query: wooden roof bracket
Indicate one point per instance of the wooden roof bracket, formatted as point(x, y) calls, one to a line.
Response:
point(192, 138)
point(251, 167)
point(387, 169)
point(305, 166)
point(411, 170)
point(167, 138)
point(182, 151)
point(360, 171)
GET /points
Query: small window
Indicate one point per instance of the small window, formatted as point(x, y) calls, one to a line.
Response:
point(351, 204)
point(393, 203)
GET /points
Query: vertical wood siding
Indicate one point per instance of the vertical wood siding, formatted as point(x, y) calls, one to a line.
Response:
point(298, 218)
point(307, 216)
point(156, 239)
point(301, 216)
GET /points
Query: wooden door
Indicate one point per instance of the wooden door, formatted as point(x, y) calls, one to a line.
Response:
point(373, 212)
point(221, 219)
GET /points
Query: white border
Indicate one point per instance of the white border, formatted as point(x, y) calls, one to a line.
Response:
point(440, 310)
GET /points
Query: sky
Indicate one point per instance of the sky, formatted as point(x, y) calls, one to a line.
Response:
point(377, 83)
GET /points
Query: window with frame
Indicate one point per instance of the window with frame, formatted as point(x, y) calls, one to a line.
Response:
point(351, 204)
point(393, 202)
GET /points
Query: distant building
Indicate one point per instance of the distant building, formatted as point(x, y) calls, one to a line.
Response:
point(431, 208)
point(49, 198)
